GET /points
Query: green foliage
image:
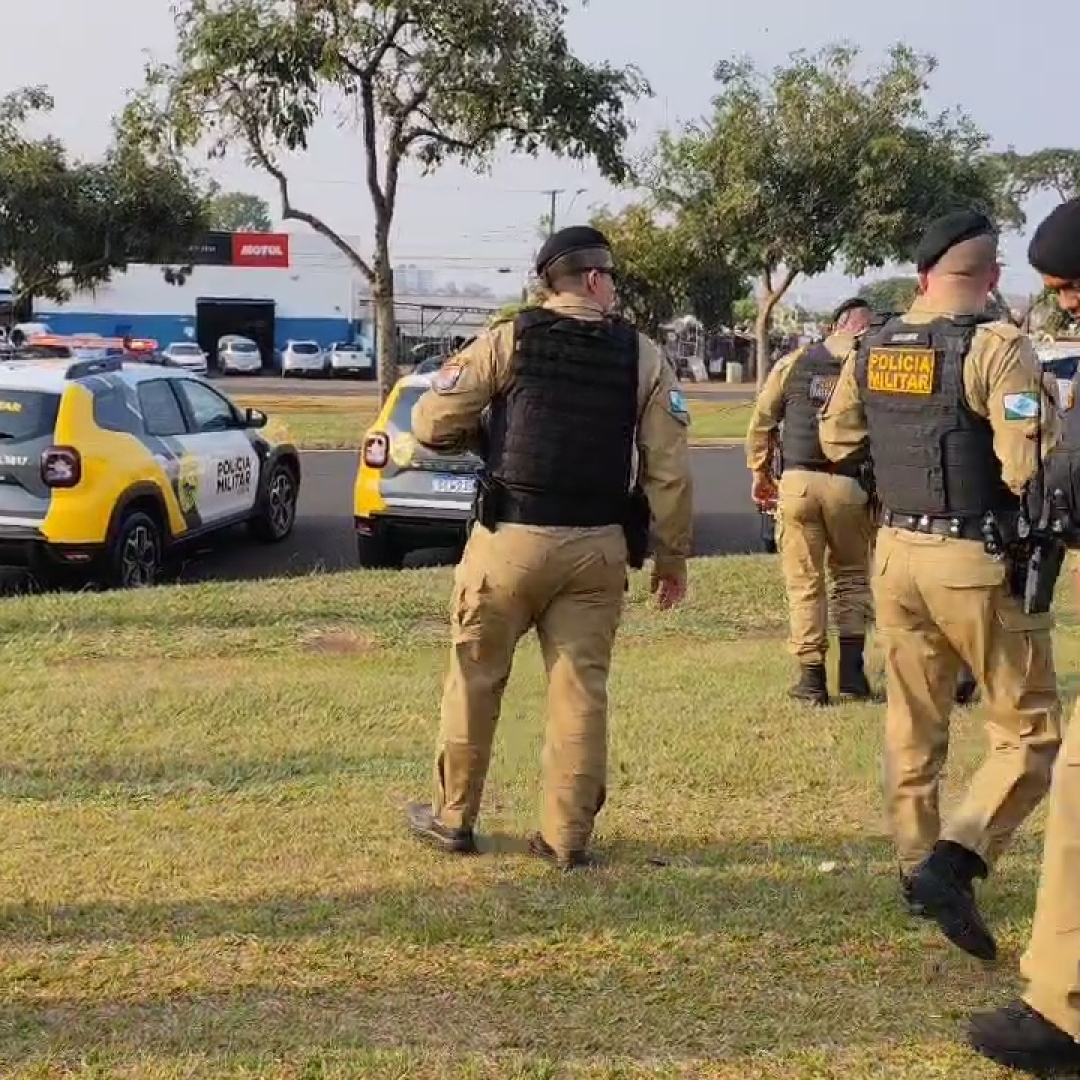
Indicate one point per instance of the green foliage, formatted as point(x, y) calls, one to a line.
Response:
point(67, 226)
point(238, 211)
point(420, 79)
point(1054, 170)
point(667, 269)
point(812, 164)
point(890, 294)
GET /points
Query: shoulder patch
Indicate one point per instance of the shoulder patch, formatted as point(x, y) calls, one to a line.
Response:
point(677, 406)
point(447, 377)
point(1023, 406)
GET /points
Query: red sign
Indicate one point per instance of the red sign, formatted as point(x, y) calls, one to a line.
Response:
point(260, 249)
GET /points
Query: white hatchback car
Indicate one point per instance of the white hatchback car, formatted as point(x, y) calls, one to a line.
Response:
point(302, 358)
point(238, 355)
point(351, 359)
point(188, 355)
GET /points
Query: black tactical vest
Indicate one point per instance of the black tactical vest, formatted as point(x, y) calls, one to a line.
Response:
point(932, 455)
point(1062, 473)
point(809, 383)
point(562, 433)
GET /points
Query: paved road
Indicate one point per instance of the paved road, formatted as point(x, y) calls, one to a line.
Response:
point(323, 538)
point(271, 384)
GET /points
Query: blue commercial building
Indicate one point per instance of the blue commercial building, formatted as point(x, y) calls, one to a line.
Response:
point(272, 287)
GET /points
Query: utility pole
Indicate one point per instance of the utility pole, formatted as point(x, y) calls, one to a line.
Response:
point(554, 194)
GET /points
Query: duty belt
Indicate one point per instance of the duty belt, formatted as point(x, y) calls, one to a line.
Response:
point(830, 467)
point(959, 528)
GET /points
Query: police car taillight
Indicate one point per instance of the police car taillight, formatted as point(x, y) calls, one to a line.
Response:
point(376, 449)
point(61, 467)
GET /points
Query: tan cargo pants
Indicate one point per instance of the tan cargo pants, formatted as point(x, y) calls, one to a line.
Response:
point(570, 585)
point(824, 534)
point(940, 601)
point(1051, 964)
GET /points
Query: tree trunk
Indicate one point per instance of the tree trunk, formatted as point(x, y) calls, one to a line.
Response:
point(762, 326)
point(382, 295)
point(763, 322)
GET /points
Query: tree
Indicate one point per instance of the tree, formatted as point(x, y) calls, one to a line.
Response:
point(811, 165)
point(891, 293)
point(66, 226)
point(421, 79)
point(666, 270)
point(238, 211)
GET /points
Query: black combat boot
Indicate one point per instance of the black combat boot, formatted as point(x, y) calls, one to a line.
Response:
point(966, 688)
point(812, 685)
point(941, 886)
point(572, 860)
point(427, 827)
point(853, 680)
point(1018, 1037)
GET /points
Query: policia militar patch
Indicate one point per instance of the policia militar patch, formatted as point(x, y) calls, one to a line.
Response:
point(902, 370)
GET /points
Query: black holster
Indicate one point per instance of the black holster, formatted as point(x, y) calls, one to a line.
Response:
point(486, 508)
point(1046, 557)
point(637, 523)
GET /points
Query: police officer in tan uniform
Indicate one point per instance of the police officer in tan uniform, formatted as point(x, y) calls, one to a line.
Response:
point(580, 405)
point(824, 523)
point(1040, 1032)
point(954, 411)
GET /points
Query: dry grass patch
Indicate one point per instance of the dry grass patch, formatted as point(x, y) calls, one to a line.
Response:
point(205, 871)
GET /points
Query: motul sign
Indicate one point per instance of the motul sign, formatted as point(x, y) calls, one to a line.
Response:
point(260, 249)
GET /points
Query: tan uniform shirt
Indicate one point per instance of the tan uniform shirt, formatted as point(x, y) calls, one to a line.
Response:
point(1001, 372)
point(447, 418)
point(768, 409)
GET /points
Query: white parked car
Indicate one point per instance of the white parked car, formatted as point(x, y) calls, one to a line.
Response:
point(302, 358)
point(351, 359)
point(238, 355)
point(188, 355)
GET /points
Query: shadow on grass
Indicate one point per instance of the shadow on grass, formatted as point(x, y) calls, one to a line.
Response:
point(731, 948)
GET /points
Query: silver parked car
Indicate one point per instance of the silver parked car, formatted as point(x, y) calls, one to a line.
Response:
point(238, 355)
point(351, 359)
point(302, 358)
point(187, 355)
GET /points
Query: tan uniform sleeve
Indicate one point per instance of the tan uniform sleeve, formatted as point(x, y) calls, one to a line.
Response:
point(767, 413)
point(1003, 381)
point(446, 418)
point(663, 444)
point(842, 426)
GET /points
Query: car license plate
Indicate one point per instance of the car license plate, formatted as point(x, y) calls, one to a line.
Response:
point(454, 485)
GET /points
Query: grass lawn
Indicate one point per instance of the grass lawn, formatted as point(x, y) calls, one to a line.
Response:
point(205, 871)
point(338, 423)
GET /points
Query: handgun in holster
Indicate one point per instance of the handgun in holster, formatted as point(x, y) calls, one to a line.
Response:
point(637, 523)
point(485, 506)
point(1047, 549)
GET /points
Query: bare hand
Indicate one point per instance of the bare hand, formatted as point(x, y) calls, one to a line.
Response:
point(763, 491)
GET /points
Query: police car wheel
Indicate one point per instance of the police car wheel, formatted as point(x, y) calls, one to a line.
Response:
point(135, 558)
point(276, 514)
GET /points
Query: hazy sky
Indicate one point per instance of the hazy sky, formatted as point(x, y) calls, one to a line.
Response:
point(1012, 74)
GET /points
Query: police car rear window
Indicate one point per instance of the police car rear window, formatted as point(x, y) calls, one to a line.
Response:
point(27, 414)
point(401, 414)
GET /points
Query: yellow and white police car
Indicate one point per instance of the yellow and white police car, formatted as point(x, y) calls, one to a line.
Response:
point(407, 499)
point(108, 466)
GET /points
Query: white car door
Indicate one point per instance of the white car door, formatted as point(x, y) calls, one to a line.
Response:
point(229, 481)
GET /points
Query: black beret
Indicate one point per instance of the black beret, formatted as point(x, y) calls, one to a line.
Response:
point(947, 231)
point(1055, 248)
point(849, 305)
point(572, 238)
